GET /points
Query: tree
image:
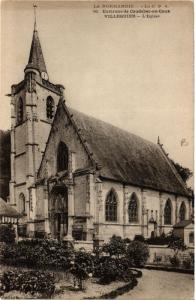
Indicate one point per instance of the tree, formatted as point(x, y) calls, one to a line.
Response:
point(185, 173)
point(177, 244)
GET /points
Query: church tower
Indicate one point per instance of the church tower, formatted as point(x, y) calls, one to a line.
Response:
point(33, 105)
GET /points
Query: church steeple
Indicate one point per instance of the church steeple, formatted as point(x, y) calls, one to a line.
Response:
point(36, 60)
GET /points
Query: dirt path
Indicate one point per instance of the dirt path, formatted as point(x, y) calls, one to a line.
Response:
point(160, 285)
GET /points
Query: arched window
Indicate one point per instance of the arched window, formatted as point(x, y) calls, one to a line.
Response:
point(168, 213)
point(182, 212)
point(191, 238)
point(50, 107)
point(22, 207)
point(62, 157)
point(133, 208)
point(111, 207)
point(20, 111)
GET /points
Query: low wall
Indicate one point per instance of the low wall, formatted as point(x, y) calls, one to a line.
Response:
point(161, 254)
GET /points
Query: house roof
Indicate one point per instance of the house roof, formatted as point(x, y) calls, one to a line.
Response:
point(126, 157)
point(6, 210)
point(183, 224)
point(36, 59)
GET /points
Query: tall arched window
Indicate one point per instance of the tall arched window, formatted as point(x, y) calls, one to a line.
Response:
point(182, 212)
point(168, 213)
point(22, 207)
point(62, 157)
point(191, 238)
point(20, 111)
point(111, 207)
point(133, 208)
point(50, 107)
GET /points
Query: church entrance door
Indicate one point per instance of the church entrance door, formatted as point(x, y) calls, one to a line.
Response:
point(58, 214)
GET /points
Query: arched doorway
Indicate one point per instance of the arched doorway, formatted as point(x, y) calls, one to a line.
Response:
point(58, 212)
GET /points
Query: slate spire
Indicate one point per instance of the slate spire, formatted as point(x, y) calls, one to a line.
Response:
point(36, 59)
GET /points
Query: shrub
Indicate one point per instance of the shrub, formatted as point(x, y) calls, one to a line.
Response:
point(7, 233)
point(85, 260)
point(116, 246)
point(109, 269)
point(177, 244)
point(175, 261)
point(28, 281)
point(42, 254)
point(82, 267)
point(137, 253)
point(106, 270)
point(188, 263)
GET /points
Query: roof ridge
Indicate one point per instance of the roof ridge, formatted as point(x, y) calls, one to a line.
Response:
point(62, 103)
point(111, 125)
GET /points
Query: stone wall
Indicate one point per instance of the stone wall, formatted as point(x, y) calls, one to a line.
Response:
point(65, 132)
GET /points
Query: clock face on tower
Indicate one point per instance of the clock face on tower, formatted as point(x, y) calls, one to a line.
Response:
point(44, 75)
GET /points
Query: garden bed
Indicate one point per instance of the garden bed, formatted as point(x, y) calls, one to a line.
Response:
point(168, 268)
point(64, 287)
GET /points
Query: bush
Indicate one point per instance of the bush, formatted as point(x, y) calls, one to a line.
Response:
point(175, 261)
point(85, 260)
point(82, 267)
point(109, 269)
point(106, 270)
point(188, 263)
point(116, 246)
point(44, 254)
point(137, 253)
point(7, 233)
point(28, 281)
point(177, 244)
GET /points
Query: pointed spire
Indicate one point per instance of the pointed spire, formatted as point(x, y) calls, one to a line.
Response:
point(36, 59)
point(35, 17)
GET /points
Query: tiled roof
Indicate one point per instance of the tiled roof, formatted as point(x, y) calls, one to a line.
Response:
point(183, 223)
point(126, 157)
point(6, 210)
point(36, 59)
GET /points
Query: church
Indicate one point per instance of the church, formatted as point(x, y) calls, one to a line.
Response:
point(78, 178)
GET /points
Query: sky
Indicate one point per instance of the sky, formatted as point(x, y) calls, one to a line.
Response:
point(135, 73)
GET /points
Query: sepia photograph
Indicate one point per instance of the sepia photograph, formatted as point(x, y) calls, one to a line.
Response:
point(96, 150)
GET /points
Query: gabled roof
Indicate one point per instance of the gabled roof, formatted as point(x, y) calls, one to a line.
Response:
point(122, 156)
point(36, 59)
point(183, 224)
point(126, 157)
point(6, 210)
